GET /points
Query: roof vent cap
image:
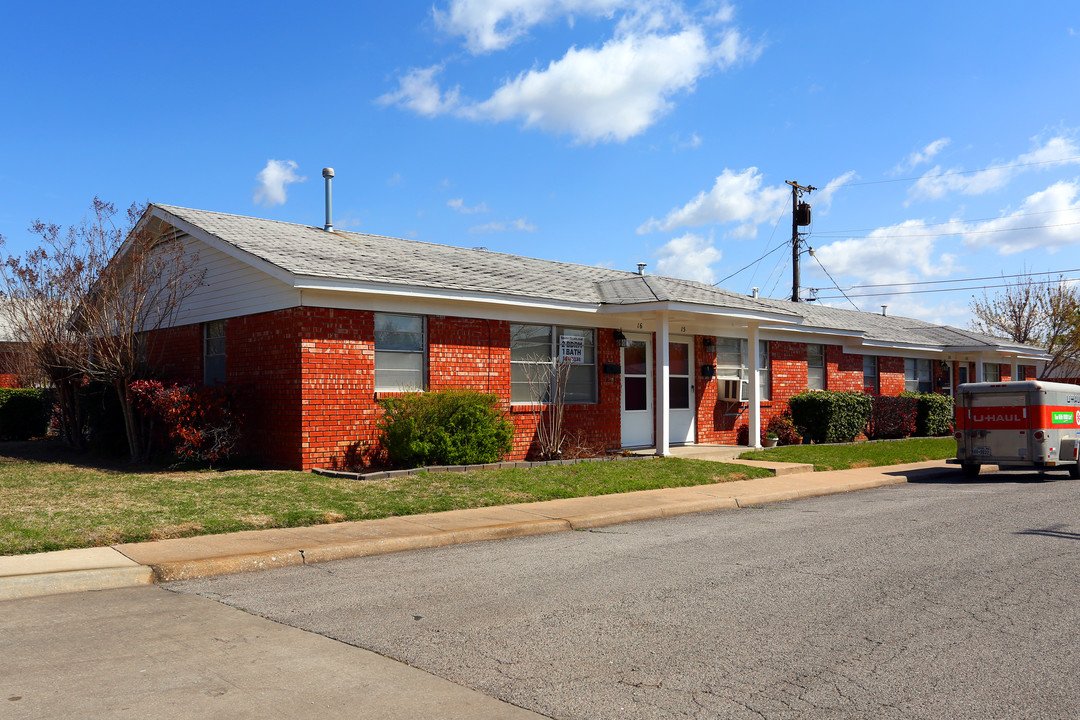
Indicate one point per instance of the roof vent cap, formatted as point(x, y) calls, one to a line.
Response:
point(641, 268)
point(328, 173)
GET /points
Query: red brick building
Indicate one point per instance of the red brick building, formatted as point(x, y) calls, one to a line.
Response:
point(313, 327)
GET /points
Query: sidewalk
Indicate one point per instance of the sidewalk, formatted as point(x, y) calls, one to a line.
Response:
point(185, 558)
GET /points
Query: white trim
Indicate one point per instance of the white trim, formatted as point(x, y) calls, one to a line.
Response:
point(663, 374)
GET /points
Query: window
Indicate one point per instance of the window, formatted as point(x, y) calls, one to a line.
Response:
point(870, 382)
point(732, 361)
point(399, 352)
point(214, 352)
point(991, 372)
point(534, 350)
point(917, 376)
point(815, 367)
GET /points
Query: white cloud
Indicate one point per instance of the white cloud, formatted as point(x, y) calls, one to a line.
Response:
point(822, 199)
point(692, 143)
point(459, 205)
point(735, 197)
point(936, 183)
point(611, 93)
point(273, 180)
point(418, 91)
point(921, 157)
point(605, 93)
point(519, 225)
point(899, 253)
point(489, 25)
point(1048, 220)
point(688, 257)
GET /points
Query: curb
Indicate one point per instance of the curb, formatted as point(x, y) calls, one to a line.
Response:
point(56, 583)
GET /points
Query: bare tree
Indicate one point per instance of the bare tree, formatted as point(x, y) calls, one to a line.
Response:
point(86, 303)
point(41, 288)
point(547, 385)
point(135, 294)
point(1046, 314)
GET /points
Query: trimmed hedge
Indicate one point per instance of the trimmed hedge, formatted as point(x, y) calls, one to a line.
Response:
point(445, 427)
point(828, 416)
point(934, 416)
point(892, 417)
point(24, 413)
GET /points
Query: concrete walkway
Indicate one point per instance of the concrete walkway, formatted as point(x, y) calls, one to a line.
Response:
point(185, 558)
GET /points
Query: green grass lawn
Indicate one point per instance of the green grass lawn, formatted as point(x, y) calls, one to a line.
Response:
point(47, 504)
point(866, 454)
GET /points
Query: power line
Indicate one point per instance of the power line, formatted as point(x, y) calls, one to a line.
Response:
point(813, 255)
point(751, 264)
point(948, 234)
point(844, 233)
point(939, 290)
point(962, 280)
point(964, 172)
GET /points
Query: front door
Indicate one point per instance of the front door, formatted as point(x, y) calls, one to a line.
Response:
point(637, 392)
point(681, 406)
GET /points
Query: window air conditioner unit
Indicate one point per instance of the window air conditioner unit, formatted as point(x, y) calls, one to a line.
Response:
point(730, 389)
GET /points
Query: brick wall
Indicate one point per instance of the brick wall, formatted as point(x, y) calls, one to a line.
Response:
point(306, 382)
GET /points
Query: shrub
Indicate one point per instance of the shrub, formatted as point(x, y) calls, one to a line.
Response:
point(202, 423)
point(934, 415)
point(784, 428)
point(826, 416)
point(24, 413)
point(445, 427)
point(891, 417)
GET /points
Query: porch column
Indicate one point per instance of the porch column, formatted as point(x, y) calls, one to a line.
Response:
point(663, 374)
point(980, 371)
point(1016, 370)
point(754, 421)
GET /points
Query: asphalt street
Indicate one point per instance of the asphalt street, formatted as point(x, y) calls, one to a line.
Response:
point(942, 599)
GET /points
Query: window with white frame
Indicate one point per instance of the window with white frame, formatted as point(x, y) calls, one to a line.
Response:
point(815, 366)
point(870, 382)
point(399, 352)
point(534, 352)
point(214, 352)
point(732, 361)
point(917, 375)
point(991, 372)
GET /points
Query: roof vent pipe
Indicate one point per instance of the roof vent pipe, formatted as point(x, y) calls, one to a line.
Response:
point(755, 293)
point(885, 310)
point(328, 173)
point(641, 268)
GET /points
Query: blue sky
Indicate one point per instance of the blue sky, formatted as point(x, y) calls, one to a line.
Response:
point(944, 138)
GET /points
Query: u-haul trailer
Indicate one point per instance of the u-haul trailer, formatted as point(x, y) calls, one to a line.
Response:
point(1028, 423)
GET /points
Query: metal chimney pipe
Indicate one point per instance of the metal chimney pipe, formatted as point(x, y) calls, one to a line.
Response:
point(328, 173)
point(641, 268)
point(755, 294)
point(885, 310)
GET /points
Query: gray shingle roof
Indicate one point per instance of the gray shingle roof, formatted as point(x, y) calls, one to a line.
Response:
point(311, 252)
point(359, 257)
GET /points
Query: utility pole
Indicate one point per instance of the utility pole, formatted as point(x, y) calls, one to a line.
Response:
point(800, 216)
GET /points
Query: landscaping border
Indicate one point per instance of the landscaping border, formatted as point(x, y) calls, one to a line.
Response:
point(526, 464)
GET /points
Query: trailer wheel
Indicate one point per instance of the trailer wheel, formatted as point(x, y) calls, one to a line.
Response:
point(1074, 471)
point(972, 469)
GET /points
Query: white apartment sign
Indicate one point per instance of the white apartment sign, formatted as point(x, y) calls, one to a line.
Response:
point(571, 349)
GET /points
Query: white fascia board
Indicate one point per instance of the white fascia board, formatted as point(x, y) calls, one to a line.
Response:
point(228, 248)
point(1018, 353)
point(907, 347)
point(443, 294)
point(693, 308)
point(806, 330)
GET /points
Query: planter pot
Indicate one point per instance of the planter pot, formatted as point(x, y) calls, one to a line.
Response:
point(769, 442)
